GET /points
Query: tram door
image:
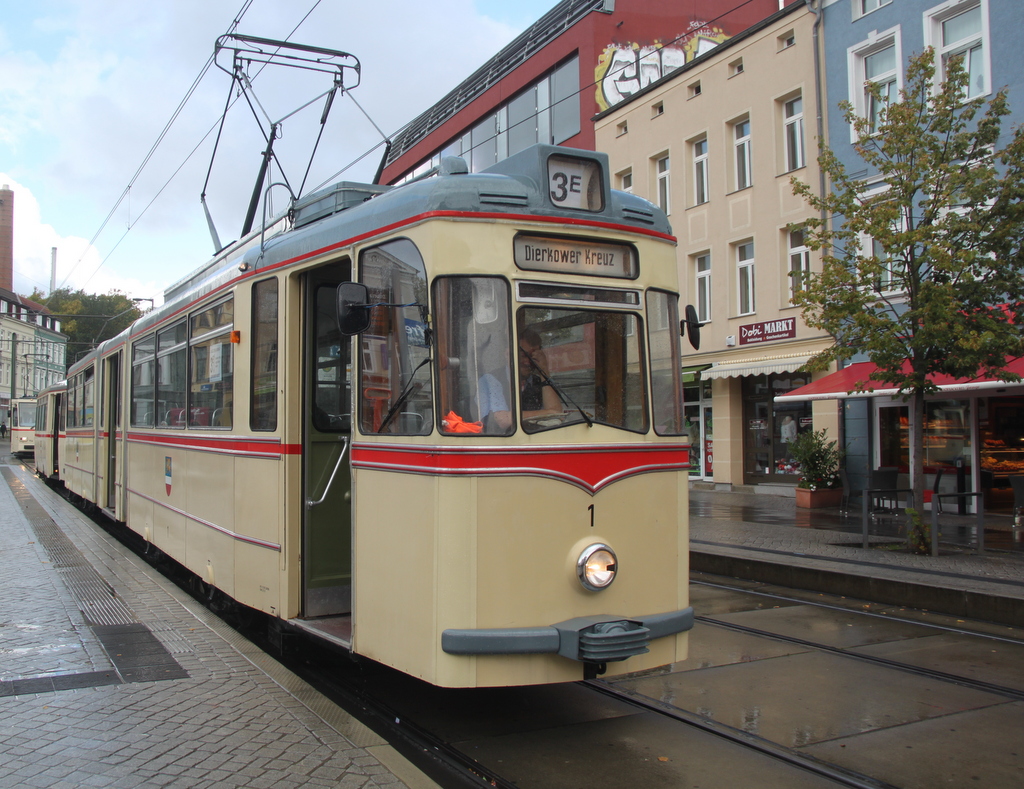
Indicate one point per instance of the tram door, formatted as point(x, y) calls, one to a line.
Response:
point(327, 481)
point(112, 413)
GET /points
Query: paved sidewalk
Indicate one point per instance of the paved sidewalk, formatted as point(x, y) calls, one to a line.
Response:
point(110, 676)
point(765, 537)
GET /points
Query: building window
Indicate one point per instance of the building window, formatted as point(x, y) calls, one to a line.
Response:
point(657, 109)
point(875, 63)
point(662, 167)
point(736, 67)
point(565, 102)
point(700, 171)
point(745, 271)
point(522, 121)
point(793, 133)
point(799, 262)
point(741, 147)
point(862, 7)
point(880, 71)
point(622, 128)
point(786, 40)
point(626, 181)
point(702, 263)
point(694, 90)
point(959, 30)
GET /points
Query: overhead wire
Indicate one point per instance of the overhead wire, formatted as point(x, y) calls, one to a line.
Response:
point(206, 67)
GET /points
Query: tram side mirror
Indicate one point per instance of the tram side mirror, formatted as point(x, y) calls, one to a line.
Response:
point(353, 308)
point(690, 326)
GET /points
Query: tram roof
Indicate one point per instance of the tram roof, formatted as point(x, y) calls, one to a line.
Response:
point(515, 186)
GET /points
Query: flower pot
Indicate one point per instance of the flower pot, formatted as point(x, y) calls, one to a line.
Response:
point(823, 497)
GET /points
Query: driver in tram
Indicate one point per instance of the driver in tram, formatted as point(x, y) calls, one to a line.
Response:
point(536, 395)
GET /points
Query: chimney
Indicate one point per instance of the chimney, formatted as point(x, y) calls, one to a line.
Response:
point(7, 238)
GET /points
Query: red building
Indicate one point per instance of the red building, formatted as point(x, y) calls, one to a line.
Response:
point(580, 58)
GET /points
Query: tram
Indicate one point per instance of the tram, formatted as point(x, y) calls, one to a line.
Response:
point(49, 430)
point(23, 425)
point(438, 424)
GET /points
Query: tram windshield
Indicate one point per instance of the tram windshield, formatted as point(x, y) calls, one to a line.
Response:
point(580, 365)
point(24, 415)
point(561, 366)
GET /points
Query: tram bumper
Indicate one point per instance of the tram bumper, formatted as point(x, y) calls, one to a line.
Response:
point(590, 639)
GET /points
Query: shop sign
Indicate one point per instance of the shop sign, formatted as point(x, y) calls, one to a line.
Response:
point(768, 331)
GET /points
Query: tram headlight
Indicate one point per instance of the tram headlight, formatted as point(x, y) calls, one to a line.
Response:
point(596, 567)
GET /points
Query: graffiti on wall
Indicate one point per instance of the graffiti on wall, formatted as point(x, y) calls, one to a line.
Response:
point(623, 70)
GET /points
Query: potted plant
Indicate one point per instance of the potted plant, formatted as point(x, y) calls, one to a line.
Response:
point(819, 458)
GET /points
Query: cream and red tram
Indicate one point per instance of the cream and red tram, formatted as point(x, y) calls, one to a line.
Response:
point(439, 424)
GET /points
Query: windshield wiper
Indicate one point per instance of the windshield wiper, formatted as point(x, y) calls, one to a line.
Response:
point(563, 396)
point(406, 392)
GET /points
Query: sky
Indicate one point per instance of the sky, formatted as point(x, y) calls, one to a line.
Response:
point(88, 90)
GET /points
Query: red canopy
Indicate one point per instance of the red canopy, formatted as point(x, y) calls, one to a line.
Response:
point(842, 383)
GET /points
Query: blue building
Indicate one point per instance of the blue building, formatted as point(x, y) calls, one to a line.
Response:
point(975, 431)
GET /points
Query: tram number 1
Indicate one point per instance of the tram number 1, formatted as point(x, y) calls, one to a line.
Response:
point(591, 508)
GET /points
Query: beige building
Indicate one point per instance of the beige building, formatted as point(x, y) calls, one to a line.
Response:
point(715, 143)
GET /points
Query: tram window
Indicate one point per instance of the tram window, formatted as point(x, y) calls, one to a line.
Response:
point(331, 387)
point(143, 367)
point(171, 376)
point(88, 397)
point(212, 369)
point(263, 398)
point(395, 394)
point(474, 355)
point(580, 365)
point(666, 377)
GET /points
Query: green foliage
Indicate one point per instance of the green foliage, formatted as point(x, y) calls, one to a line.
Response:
point(921, 268)
point(819, 459)
point(102, 316)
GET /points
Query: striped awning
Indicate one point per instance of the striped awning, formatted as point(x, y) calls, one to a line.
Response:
point(763, 365)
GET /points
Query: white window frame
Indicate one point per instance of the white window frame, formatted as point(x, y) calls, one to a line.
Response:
point(856, 68)
point(701, 183)
point(793, 133)
point(662, 170)
point(702, 271)
point(626, 181)
point(799, 261)
point(742, 160)
point(865, 7)
point(934, 19)
point(745, 275)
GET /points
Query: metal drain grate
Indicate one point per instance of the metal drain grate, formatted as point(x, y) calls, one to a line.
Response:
point(96, 598)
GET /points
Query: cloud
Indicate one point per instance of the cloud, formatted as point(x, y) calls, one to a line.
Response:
point(34, 241)
point(90, 85)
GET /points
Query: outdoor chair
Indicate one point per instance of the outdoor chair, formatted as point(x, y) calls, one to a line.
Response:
point(884, 479)
point(1017, 483)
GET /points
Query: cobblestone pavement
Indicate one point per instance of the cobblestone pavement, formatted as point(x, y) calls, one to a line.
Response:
point(771, 528)
point(233, 717)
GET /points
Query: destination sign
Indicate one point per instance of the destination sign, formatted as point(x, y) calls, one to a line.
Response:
point(567, 256)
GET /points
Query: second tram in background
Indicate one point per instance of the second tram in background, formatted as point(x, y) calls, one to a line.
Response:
point(439, 424)
point(23, 425)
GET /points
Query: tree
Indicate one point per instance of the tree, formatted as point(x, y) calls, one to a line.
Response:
point(921, 267)
point(103, 316)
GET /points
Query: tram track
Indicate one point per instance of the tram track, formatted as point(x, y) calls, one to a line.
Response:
point(743, 739)
point(1015, 694)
